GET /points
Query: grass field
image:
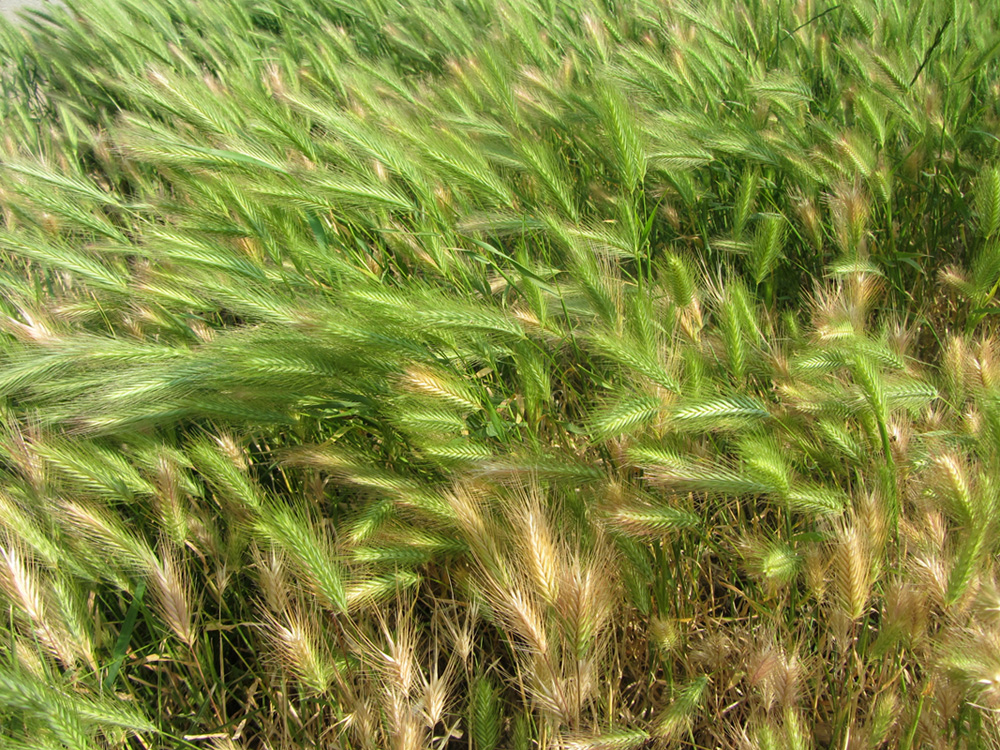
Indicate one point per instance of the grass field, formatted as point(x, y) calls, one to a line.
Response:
point(500, 374)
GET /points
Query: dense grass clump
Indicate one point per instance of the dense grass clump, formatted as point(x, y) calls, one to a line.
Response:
point(500, 374)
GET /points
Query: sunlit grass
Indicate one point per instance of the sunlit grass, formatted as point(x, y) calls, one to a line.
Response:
point(500, 375)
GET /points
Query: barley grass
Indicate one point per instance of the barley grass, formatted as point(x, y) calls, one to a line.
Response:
point(485, 374)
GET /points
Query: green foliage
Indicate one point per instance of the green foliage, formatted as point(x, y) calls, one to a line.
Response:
point(575, 375)
point(485, 717)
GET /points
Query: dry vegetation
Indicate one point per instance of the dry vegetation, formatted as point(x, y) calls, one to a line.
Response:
point(500, 374)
